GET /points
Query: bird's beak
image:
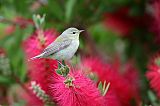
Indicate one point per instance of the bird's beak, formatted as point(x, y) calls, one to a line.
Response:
point(81, 31)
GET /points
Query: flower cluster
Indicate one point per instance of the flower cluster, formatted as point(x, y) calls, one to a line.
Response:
point(79, 86)
point(74, 90)
point(119, 21)
point(124, 86)
point(94, 83)
point(40, 68)
point(153, 73)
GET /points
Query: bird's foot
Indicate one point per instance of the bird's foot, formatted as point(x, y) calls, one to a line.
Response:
point(63, 69)
point(59, 62)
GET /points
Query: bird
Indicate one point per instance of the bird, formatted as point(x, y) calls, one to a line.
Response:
point(63, 48)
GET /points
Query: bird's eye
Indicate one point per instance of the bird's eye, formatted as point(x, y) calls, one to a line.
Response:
point(74, 32)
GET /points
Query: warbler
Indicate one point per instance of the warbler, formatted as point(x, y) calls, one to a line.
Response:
point(64, 47)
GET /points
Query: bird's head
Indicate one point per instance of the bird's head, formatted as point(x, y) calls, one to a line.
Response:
point(72, 32)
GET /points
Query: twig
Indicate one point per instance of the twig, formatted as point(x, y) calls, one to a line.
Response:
point(4, 20)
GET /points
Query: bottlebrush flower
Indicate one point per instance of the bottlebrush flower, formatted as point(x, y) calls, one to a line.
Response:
point(34, 45)
point(31, 99)
point(74, 90)
point(153, 73)
point(111, 99)
point(129, 72)
point(121, 84)
point(95, 67)
point(123, 23)
point(33, 95)
point(120, 22)
point(132, 76)
point(41, 94)
point(26, 94)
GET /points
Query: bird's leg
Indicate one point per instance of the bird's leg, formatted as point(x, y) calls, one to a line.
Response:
point(60, 63)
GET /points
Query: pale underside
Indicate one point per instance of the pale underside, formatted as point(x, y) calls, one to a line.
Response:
point(66, 53)
point(61, 50)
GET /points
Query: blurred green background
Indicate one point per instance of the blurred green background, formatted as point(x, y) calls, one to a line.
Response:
point(112, 28)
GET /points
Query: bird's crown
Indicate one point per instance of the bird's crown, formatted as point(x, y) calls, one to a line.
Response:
point(72, 32)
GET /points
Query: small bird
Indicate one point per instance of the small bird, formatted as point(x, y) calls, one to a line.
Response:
point(64, 47)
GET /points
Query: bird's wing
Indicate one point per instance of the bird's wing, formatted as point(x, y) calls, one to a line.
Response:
point(56, 46)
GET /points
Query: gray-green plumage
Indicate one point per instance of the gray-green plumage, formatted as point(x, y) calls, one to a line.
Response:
point(64, 47)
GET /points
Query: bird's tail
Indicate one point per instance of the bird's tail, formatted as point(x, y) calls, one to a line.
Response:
point(35, 57)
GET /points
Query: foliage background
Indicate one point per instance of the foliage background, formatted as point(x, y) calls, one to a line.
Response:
point(138, 44)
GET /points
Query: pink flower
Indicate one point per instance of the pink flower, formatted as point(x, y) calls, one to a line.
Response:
point(153, 73)
point(96, 67)
point(24, 94)
point(111, 99)
point(74, 90)
point(124, 85)
point(131, 75)
point(123, 23)
point(119, 21)
point(31, 99)
point(34, 45)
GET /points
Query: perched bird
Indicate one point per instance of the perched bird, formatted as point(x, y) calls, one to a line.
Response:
point(64, 47)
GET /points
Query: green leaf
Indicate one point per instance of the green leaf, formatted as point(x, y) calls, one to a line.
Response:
point(104, 38)
point(59, 72)
point(157, 61)
point(59, 66)
point(12, 46)
point(100, 87)
point(21, 7)
point(103, 88)
point(38, 20)
point(22, 66)
point(56, 9)
point(5, 80)
point(69, 9)
point(66, 71)
point(152, 96)
point(63, 62)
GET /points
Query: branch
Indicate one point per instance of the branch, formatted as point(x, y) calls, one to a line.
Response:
point(20, 23)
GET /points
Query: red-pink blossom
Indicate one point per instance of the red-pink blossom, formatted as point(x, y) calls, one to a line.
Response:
point(119, 21)
point(34, 45)
point(122, 22)
point(96, 67)
point(31, 99)
point(153, 73)
point(81, 91)
point(129, 73)
point(124, 85)
point(26, 94)
point(111, 99)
